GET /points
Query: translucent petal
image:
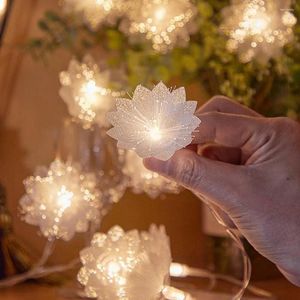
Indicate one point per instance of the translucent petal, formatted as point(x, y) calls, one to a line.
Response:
point(156, 124)
point(52, 202)
point(179, 95)
point(140, 93)
point(129, 265)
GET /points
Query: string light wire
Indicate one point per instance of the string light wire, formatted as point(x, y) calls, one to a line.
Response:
point(236, 238)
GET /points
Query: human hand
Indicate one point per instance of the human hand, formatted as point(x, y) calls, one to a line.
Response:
point(251, 172)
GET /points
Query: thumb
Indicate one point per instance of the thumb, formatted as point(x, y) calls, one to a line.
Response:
point(211, 179)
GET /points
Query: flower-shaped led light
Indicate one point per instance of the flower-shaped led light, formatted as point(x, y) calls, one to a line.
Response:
point(86, 91)
point(61, 200)
point(154, 123)
point(95, 12)
point(142, 180)
point(258, 29)
point(128, 265)
point(165, 23)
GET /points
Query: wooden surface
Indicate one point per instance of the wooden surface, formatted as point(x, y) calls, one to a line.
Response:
point(282, 289)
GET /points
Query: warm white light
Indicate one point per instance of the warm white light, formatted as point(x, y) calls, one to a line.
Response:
point(91, 94)
point(90, 88)
point(126, 265)
point(61, 200)
point(160, 13)
point(113, 268)
point(169, 109)
point(289, 19)
point(174, 294)
point(86, 92)
point(258, 25)
point(178, 270)
point(258, 29)
point(64, 198)
point(165, 23)
point(155, 133)
point(3, 4)
point(142, 180)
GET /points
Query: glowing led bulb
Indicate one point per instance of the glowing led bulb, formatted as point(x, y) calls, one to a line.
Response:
point(90, 88)
point(160, 13)
point(258, 29)
point(64, 198)
point(172, 130)
point(155, 133)
point(61, 200)
point(258, 25)
point(91, 94)
point(178, 270)
point(113, 268)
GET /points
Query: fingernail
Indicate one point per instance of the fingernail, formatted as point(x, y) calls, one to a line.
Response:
point(155, 164)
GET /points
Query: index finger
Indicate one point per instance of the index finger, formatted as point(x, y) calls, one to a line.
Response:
point(227, 129)
point(226, 105)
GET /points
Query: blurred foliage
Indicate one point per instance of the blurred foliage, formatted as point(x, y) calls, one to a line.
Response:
point(273, 89)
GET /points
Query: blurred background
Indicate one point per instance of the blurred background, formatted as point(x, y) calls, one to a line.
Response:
point(40, 37)
point(32, 114)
